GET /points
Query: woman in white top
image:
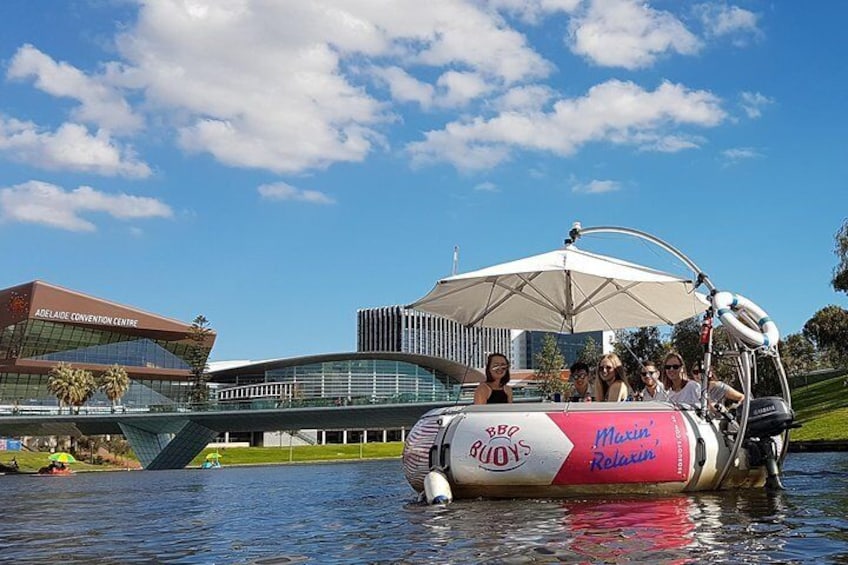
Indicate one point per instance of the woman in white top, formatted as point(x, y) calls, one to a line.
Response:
point(654, 389)
point(680, 389)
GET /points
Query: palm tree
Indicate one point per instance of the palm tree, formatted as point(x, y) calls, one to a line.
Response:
point(84, 387)
point(114, 382)
point(60, 383)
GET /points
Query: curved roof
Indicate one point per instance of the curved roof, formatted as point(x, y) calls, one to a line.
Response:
point(457, 372)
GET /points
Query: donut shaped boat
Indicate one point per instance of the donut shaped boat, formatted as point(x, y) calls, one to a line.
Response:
point(566, 449)
point(563, 449)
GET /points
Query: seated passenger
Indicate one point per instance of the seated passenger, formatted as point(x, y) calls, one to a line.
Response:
point(680, 389)
point(495, 389)
point(611, 384)
point(579, 382)
point(718, 391)
point(654, 389)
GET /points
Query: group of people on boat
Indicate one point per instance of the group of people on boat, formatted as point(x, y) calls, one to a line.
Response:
point(611, 385)
point(55, 468)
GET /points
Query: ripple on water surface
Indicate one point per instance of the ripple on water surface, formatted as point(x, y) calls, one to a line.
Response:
point(366, 513)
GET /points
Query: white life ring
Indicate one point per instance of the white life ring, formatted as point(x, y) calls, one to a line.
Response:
point(728, 304)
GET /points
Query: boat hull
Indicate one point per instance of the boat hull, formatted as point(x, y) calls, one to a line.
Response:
point(568, 449)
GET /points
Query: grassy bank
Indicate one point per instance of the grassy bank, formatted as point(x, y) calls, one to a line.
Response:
point(30, 462)
point(303, 453)
point(822, 410)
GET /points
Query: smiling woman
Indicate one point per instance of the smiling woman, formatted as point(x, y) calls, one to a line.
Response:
point(495, 389)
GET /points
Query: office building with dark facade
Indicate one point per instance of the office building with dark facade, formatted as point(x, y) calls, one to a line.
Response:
point(528, 344)
point(403, 330)
point(42, 324)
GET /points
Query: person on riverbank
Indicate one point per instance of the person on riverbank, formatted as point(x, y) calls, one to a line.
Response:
point(579, 382)
point(611, 384)
point(654, 389)
point(680, 389)
point(495, 389)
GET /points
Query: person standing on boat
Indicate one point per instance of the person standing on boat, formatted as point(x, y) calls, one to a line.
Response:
point(611, 384)
point(654, 389)
point(495, 389)
point(579, 377)
point(680, 389)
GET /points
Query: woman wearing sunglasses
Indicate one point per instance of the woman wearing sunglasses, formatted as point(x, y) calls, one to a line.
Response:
point(680, 389)
point(495, 390)
point(611, 384)
point(654, 389)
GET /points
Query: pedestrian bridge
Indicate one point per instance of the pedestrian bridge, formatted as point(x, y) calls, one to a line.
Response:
point(170, 440)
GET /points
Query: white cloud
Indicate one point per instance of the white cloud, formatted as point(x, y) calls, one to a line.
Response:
point(290, 98)
point(283, 191)
point(719, 20)
point(597, 187)
point(70, 147)
point(37, 202)
point(532, 98)
point(614, 112)
point(754, 102)
point(404, 87)
point(533, 11)
point(629, 34)
point(100, 104)
point(737, 154)
point(487, 187)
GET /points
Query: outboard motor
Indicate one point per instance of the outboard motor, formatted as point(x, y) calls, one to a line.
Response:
point(767, 417)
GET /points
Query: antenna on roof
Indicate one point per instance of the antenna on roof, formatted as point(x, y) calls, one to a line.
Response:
point(455, 259)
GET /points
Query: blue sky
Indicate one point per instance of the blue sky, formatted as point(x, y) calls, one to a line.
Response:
point(275, 166)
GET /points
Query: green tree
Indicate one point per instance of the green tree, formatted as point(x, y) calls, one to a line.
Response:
point(634, 347)
point(196, 357)
point(72, 387)
point(590, 353)
point(114, 382)
point(840, 272)
point(828, 330)
point(686, 340)
point(549, 364)
point(60, 383)
point(798, 354)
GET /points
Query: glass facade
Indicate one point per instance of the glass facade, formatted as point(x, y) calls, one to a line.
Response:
point(349, 379)
point(51, 341)
point(55, 342)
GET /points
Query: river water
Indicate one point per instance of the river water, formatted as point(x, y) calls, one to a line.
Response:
point(365, 512)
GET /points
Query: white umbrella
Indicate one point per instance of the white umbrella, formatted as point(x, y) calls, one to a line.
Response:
point(567, 290)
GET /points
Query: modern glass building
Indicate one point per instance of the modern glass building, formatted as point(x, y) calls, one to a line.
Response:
point(403, 330)
point(527, 345)
point(341, 379)
point(42, 325)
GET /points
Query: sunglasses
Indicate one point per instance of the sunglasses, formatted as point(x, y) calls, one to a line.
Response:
point(606, 367)
point(696, 371)
point(579, 376)
point(648, 373)
point(499, 367)
point(672, 367)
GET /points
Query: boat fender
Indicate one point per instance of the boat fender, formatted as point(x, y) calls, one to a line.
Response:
point(729, 305)
point(437, 489)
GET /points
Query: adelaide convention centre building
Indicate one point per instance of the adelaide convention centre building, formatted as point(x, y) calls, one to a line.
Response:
point(42, 324)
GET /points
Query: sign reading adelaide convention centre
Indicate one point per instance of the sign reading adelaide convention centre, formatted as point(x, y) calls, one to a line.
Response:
point(83, 318)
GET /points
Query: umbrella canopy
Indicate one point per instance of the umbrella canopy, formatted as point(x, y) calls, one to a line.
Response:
point(62, 457)
point(567, 290)
point(213, 456)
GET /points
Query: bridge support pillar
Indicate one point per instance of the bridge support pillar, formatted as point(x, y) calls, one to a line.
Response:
point(158, 450)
